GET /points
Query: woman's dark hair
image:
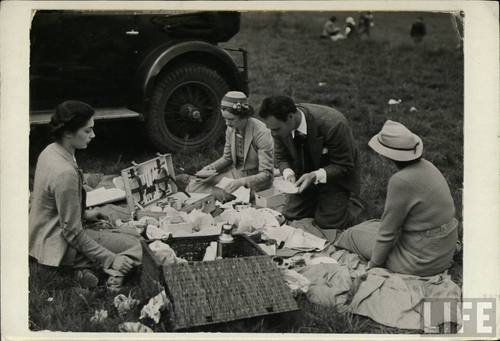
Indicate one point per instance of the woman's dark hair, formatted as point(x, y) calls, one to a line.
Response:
point(333, 18)
point(242, 111)
point(277, 106)
point(69, 117)
point(403, 164)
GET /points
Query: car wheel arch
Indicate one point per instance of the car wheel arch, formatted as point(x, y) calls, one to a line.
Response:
point(168, 56)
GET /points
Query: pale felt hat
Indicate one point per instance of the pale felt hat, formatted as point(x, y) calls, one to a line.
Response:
point(397, 142)
point(233, 99)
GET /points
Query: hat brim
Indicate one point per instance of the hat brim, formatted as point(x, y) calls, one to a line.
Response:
point(395, 154)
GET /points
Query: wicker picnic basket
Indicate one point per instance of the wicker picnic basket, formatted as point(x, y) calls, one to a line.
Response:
point(245, 283)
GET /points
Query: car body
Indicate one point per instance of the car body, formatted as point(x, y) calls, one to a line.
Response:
point(165, 68)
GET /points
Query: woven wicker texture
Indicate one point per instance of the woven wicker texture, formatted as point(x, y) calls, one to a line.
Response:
point(226, 290)
point(245, 283)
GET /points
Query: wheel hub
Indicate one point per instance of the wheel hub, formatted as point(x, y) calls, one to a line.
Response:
point(190, 112)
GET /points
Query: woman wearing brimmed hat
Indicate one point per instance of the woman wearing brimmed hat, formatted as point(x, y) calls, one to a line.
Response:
point(248, 151)
point(417, 233)
point(57, 219)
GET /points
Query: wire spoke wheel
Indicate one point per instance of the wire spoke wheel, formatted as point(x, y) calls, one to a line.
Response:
point(185, 108)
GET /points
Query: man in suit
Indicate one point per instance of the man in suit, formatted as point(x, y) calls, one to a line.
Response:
point(314, 144)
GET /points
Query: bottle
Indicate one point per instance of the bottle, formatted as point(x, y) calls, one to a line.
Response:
point(226, 237)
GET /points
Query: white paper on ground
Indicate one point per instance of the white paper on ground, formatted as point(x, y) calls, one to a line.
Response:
point(102, 196)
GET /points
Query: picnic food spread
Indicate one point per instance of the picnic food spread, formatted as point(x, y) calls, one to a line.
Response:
point(220, 262)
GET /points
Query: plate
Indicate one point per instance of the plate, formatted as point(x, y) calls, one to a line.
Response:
point(285, 186)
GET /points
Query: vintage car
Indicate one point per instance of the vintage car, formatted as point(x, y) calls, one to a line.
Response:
point(163, 68)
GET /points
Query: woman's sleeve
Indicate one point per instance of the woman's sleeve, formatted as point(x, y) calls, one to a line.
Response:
point(397, 206)
point(226, 159)
point(265, 150)
point(70, 218)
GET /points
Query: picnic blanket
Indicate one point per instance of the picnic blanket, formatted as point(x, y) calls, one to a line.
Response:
point(391, 299)
point(337, 277)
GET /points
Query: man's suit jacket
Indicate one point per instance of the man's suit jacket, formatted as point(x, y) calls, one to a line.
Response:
point(330, 145)
point(258, 154)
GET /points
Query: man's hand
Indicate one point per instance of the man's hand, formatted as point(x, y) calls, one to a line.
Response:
point(122, 263)
point(305, 181)
point(234, 185)
point(94, 215)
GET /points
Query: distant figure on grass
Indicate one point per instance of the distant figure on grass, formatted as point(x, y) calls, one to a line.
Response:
point(332, 30)
point(61, 231)
point(418, 30)
point(365, 23)
point(314, 148)
point(248, 152)
point(417, 233)
point(351, 30)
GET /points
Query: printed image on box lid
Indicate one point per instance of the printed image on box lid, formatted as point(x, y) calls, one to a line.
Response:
point(149, 181)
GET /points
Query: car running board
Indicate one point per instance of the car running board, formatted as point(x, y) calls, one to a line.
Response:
point(42, 117)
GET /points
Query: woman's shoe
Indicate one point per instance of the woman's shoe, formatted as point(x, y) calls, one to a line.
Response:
point(86, 278)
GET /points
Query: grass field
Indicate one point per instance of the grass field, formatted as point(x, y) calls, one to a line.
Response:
point(287, 57)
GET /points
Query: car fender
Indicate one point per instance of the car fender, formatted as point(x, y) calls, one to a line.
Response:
point(160, 57)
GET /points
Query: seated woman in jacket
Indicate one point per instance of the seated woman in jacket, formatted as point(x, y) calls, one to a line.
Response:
point(417, 234)
point(57, 217)
point(248, 152)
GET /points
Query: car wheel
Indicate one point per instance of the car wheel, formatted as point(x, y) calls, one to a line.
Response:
point(185, 108)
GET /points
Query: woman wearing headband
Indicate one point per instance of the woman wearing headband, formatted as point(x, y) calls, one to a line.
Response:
point(248, 152)
point(417, 233)
point(57, 217)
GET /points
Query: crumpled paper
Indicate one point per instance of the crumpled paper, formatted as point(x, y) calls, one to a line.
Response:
point(280, 218)
point(250, 219)
point(164, 253)
point(294, 238)
point(155, 306)
point(124, 304)
point(99, 316)
point(200, 220)
point(149, 221)
point(154, 232)
point(296, 282)
point(133, 327)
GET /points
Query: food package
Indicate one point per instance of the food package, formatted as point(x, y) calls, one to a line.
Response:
point(165, 254)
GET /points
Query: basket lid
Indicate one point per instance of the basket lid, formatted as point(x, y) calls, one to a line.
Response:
point(149, 181)
point(224, 290)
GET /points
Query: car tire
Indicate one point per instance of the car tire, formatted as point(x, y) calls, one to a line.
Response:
point(184, 110)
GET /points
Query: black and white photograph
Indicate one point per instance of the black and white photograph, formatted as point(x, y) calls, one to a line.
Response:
point(286, 171)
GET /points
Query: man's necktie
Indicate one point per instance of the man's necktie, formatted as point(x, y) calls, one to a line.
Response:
point(299, 141)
